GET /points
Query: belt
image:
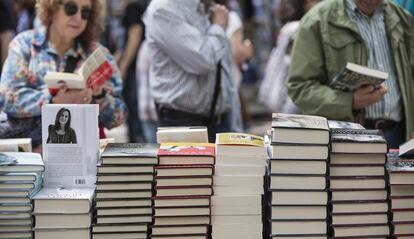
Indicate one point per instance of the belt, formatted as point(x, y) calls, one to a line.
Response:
point(380, 124)
point(201, 119)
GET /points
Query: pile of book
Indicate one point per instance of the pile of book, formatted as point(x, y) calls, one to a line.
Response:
point(299, 153)
point(63, 213)
point(358, 183)
point(238, 186)
point(401, 179)
point(124, 190)
point(183, 187)
point(21, 176)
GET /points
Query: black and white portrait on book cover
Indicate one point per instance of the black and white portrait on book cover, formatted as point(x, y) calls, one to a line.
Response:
point(61, 131)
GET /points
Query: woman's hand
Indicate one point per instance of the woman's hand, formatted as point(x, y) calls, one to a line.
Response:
point(70, 96)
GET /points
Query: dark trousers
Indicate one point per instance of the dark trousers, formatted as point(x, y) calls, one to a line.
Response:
point(393, 132)
point(170, 117)
point(129, 92)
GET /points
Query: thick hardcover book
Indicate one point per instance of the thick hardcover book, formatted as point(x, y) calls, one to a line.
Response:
point(402, 202)
point(21, 162)
point(298, 227)
point(123, 202)
point(10, 177)
point(354, 158)
point(78, 233)
point(406, 150)
point(127, 227)
point(181, 201)
point(54, 220)
point(401, 171)
point(186, 153)
point(124, 211)
point(184, 181)
point(124, 219)
point(184, 191)
point(181, 211)
point(196, 134)
point(306, 152)
point(124, 194)
point(358, 194)
point(297, 129)
point(239, 139)
point(293, 212)
point(93, 72)
point(119, 186)
point(130, 153)
point(361, 231)
point(402, 190)
point(123, 234)
point(296, 197)
point(180, 230)
point(60, 200)
point(359, 182)
point(353, 76)
point(358, 141)
point(370, 206)
point(403, 228)
point(311, 167)
point(184, 170)
point(297, 182)
point(359, 218)
point(357, 170)
point(182, 220)
point(118, 169)
point(125, 177)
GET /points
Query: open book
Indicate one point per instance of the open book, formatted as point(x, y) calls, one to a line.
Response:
point(353, 76)
point(93, 72)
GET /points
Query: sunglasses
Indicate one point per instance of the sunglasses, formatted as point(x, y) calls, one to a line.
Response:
point(71, 8)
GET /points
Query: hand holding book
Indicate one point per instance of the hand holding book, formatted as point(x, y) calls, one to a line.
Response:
point(367, 95)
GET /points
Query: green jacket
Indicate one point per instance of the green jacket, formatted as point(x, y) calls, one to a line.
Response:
point(326, 40)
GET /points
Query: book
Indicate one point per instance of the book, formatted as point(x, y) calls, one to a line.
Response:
point(298, 227)
point(117, 235)
point(401, 171)
point(403, 228)
point(230, 180)
point(16, 145)
point(124, 219)
point(180, 230)
point(23, 162)
point(124, 194)
point(357, 170)
point(371, 206)
point(183, 181)
point(195, 134)
point(297, 182)
point(50, 221)
point(181, 211)
point(237, 170)
point(130, 153)
point(134, 227)
point(124, 202)
point(359, 218)
point(406, 149)
point(358, 141)
point(355, 195)
point(298, 167)
point(358, 231)
point(338, 182)
point(293, 212)
point(181, 201)
point(78, 233)
point(402, 190)
point(355, 158)
point(299, 129)
point(402, 202)
point(403, 215)
point(17, 222)
point(353, 76)
point(61, 200)
point(93, 72)
point(119, 186)
point(299, 197)
point(125, 177)
point(183, 170)
point(186, 153)
point(186, 220)
point(11, 177)
point(70, 154)
point(124, 211)
point(184, 191)
point(124, 169)
point(306, 152)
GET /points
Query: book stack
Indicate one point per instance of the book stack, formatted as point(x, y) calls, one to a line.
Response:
point(21, 176)
point(183, 187)
point(238, 186)
point(124, 190)
point(63, 213)
point(401, 180)
point(299, 153)
point(358, 183)
point(16, 145)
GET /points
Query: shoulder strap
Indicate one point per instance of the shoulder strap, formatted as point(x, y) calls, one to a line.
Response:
point(216, 90)
point(71, 64)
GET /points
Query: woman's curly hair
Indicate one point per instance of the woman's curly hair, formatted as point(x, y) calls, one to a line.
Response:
point(47, 8)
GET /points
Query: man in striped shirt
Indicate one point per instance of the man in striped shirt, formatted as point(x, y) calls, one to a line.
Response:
point(190, 55)
point(375, 33)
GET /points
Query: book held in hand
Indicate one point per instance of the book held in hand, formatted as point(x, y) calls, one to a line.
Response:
point(353, 76)
point(93, 72)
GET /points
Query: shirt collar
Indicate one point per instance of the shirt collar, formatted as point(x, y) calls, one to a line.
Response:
point(351, 5)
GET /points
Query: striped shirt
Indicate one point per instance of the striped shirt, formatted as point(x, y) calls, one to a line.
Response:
point(373, 32)
point(185, 48)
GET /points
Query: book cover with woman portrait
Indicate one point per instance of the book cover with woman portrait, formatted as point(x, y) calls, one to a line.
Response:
point(70, 144)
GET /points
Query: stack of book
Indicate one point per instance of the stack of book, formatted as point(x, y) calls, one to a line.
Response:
point(401, 179)
point(124, 190)
point(21, 176)
point(183, 187)
point(16, 145)
point(299, 153)
point(63, 213)
point(238, 186)
point(358, 183)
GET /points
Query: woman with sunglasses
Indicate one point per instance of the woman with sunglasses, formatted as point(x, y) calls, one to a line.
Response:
point(67, 38)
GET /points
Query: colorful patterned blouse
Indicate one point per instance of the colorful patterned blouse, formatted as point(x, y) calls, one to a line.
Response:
point(23, 91)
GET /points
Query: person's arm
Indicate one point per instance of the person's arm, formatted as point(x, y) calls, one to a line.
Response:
point(134, 39)
point(307, 75)
point(242, 49)
point(21, 93)
point(196, 52)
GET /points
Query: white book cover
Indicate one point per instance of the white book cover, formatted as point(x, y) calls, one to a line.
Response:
point(70, 138)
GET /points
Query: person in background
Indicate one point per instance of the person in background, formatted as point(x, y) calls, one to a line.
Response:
point(273, 91)
point(407, 4)
point(60, 132)
point(68, 37)
point(190, 70)
point(374, 33)
point(134, 34)
point(7, 27)
point(146, 107)
point(25, 10)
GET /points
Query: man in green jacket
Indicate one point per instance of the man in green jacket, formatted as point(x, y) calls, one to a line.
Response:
point(374, 33)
